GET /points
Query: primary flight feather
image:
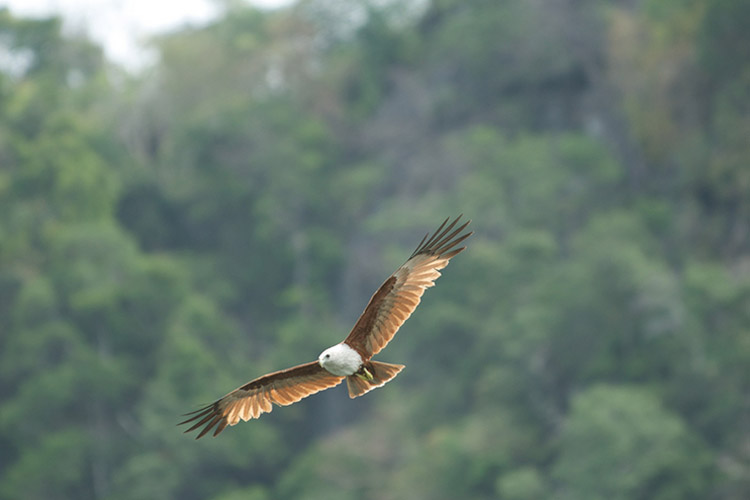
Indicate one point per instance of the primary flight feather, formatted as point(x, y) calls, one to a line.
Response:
point(387, 310)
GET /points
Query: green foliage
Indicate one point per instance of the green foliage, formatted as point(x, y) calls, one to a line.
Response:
point(618, 442)
point(724, 44)
point(252, 493)
point(229, 213)
point(537, 181)
point(524, 483)
point(68, 451)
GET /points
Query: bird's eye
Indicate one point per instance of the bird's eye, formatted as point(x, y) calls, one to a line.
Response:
point(328, 356)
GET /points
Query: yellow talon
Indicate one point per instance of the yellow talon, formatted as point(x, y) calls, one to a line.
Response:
point(365, 375)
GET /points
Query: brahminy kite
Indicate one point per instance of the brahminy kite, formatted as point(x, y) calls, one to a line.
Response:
point(387, 310)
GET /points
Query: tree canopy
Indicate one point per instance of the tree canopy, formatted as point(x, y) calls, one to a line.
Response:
point(167, 236)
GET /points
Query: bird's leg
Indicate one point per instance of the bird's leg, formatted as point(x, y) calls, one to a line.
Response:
point(365, 374)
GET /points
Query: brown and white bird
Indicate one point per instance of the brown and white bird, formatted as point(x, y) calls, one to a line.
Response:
point(387, 310)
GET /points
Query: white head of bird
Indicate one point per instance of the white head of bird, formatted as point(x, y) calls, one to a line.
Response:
point(340, 360)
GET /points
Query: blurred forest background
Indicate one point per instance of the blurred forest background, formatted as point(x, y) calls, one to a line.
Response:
point(167, 236)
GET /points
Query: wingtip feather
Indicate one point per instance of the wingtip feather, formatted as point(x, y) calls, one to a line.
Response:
point(443, 239)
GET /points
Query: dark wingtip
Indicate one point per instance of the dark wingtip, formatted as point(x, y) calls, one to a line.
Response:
point(444, 238)
point(202, 416)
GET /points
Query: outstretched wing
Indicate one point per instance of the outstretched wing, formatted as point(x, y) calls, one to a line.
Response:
point(256, 397)
point(397, 298)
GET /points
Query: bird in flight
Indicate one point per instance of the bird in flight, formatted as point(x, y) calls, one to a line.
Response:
point(387, 310)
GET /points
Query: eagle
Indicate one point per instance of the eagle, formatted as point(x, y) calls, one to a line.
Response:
point(388, 309)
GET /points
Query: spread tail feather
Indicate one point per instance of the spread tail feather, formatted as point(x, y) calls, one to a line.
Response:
point(359, 384)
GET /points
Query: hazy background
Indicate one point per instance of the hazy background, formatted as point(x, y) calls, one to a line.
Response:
point(123, 27)
point(177, 223)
